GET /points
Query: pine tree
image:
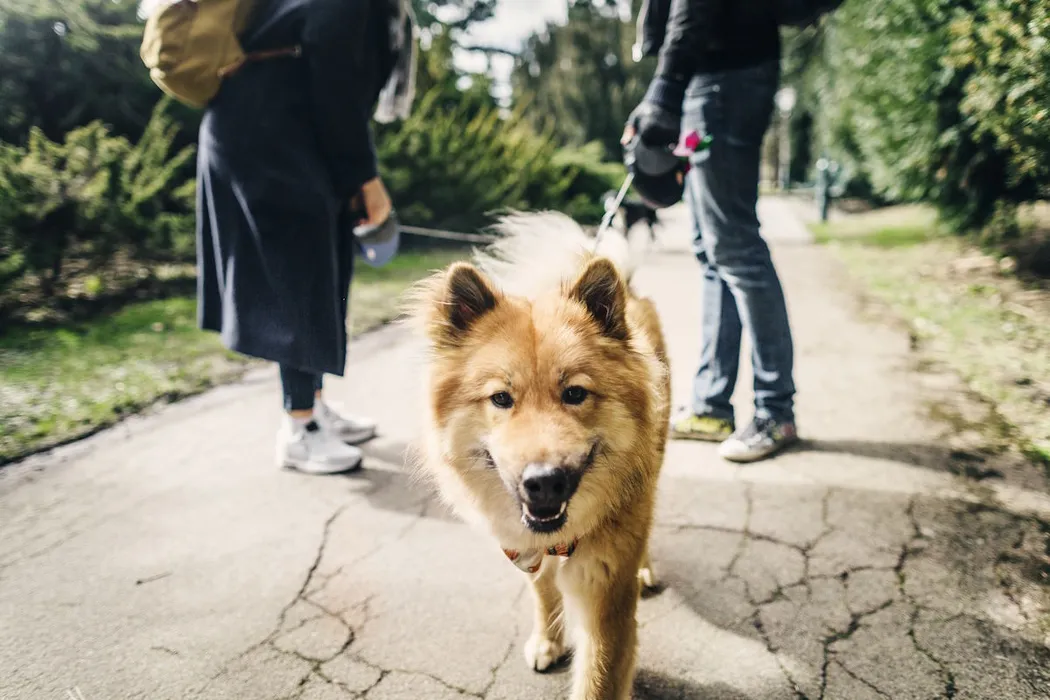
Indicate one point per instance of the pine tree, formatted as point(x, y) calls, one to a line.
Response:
point(580, 78)
point(64, 64)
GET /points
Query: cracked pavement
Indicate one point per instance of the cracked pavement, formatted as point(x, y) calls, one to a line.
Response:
point(887, 557)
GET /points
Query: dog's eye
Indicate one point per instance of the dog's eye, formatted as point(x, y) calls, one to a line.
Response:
point(502, 400)
point(574, 395)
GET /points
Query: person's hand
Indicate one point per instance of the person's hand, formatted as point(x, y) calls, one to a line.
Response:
point(375, 201)
point(656, 127)
point(657, 121)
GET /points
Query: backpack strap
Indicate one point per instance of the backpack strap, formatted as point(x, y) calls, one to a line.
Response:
point(254, 56)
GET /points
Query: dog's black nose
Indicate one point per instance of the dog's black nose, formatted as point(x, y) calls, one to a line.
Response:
point(544, 487)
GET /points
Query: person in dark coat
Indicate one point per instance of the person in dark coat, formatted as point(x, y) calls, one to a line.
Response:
point(285, 147)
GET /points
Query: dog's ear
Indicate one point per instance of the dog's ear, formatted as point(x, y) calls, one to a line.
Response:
point(601, 290)
point(467, 297)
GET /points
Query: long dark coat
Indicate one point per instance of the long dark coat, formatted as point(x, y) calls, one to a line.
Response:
point(283, 147)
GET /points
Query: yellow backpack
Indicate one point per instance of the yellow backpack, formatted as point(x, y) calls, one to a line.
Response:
point(189, 46)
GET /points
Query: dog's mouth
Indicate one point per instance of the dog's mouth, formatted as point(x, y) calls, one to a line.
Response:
point(545, 496)
point(544, 520)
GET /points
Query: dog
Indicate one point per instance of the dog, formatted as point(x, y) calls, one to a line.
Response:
point(547, 386)
point(632, 212)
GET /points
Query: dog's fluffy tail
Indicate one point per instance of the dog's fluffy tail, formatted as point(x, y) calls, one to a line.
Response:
point(539, 251)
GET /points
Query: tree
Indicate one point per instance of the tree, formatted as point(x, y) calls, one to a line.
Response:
point(1003, 49)
point(580, 78)
point(920, 98)
point(452, 14)
point(90, 195)
point(438, 77)
point(66, 64)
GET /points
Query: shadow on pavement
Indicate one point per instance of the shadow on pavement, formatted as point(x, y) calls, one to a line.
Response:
point(392, 486)
point(650, 685)
point(960, 462)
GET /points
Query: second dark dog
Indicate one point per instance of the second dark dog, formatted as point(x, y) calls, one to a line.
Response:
point(633, 212)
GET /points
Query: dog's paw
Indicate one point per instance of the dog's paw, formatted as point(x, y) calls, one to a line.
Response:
point(541, 652)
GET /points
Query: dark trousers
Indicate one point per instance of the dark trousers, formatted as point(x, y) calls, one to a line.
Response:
point(299, 388)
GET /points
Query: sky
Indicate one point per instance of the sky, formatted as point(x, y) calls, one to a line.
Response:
point(516, 19)
point(513, 22)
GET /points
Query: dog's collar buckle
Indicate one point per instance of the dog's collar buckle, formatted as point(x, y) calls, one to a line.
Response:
point(530, 560)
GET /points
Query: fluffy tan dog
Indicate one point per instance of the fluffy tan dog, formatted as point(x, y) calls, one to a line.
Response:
point(547, 417)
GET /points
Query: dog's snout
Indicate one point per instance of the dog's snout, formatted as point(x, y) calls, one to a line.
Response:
point(544, 486)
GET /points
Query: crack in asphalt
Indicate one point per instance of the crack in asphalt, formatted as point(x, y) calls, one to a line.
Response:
point(382, 675)
point(318, 556)
point(311, 588)
point(832, 639)
point(386, 672)
point(282, 617)
point(863, 681)
point(760, 628)
point(805, 581)
point(947, 677)
point(746, 532)
point(315, 583)
point(510, 645)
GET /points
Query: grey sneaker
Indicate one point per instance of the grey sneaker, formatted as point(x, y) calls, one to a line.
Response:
point(310, 449)
point(351, 429)
point(760, 439)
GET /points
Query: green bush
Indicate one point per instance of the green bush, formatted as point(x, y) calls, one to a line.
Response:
point(882, 91)
point(458, 168)
point(591, 179)
point(89, 198)
point(1003, 49)
point(939, 101)
point(67, 63)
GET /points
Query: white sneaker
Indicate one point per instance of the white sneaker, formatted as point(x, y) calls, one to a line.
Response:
point(350, 429)
point(312, 450)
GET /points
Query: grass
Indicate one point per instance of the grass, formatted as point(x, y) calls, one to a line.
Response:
point(60, 384)
point(963, 311)
point(376, 291)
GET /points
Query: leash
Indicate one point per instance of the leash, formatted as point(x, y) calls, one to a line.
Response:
point(610, 210)
point(448, 235)
point(687, 145)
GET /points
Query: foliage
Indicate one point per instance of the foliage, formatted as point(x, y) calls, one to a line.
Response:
point(451, 14)
point(91, 195)
point(450, 88)
point(882, 101)
point(591, 178)
point(456, 167)
point(1003, 47)
point(934, 100)
point(66, 64)
point(581, 79)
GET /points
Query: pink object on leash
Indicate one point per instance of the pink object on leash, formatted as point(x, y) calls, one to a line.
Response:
point(690, 143)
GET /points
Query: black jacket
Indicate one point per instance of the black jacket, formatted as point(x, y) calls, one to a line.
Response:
point(700, 36)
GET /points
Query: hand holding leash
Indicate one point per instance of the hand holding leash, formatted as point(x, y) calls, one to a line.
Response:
point(373, 202)
point(377, 231)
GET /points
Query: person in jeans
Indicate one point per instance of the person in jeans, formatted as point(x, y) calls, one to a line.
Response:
point(286, 171)
point(718, 72)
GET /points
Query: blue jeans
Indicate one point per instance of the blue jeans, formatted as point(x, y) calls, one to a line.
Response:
point(740, 285)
